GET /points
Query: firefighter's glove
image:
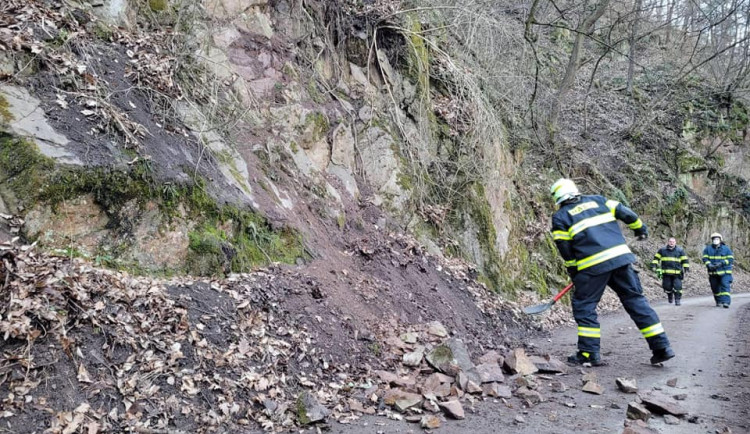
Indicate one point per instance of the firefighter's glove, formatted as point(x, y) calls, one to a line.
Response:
point(711, 266)
point(641, 233)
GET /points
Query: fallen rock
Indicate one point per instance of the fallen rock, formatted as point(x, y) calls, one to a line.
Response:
point(531, 396)
point(637, 411)
point(519, 419)
point(409, 338)
point(672, 382)
point(724, 430)
point(661, 403)
point(473, 387)
point(496, 390)
point(680, 396)
point(438, 385)
point(558, 386)
point(491, 357)
point(460, 354)
point(671, 420)
point(490, 373)
point(309, 410)
point(414, 358)
point(589, 376)
point(549, 364)
point(464, 377)
point(430, 405)
point(413, 418)
point(430, 422)
point(627, 385)
point(441, 358)
point(435, 328)
point(355, 405)
point(453, 409)
point(401, 399)
point(391, 378)
point(519, 363)
point(593, 387)
point(638, 427)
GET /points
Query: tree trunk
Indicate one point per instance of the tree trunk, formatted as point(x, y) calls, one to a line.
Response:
point(633, 34)
point(582, 31)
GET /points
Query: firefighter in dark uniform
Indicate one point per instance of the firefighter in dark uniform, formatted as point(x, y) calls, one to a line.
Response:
point(586, 233)
point(671, 264)
point(719, 259)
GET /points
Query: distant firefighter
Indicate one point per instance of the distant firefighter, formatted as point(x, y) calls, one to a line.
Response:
point(671, 264)
point(719, 259)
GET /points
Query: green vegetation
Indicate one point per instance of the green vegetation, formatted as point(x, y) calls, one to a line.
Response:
point(226, 238)
point(5, 114)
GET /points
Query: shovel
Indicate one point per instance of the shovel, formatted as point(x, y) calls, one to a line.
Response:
point(535, 310)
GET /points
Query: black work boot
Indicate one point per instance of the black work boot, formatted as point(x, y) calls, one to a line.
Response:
point(677, 301)
point(662, 355)
point(582, 357)
point(669, 297)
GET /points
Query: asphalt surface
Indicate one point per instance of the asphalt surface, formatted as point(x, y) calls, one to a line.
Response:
point(712, 368)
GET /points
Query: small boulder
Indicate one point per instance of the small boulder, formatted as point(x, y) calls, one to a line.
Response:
point(430, 421)
point(672, 382)
point(593, 387)
point(453, 409)
point(519, 363)
point(532, 397)
point(491, 357)
point(680, 396)
point(409, 338)
point(637, 411)
point(558, 386)
point(309, 410)
point(627, 385)
point(671, 420)
point(661, 403)
point(549, 364)
point(435, 328)
point(414, 358)
point(401, 399)
point(490, 373)
point(496, 390)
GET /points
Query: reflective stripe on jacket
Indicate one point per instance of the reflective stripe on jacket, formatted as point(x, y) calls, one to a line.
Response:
point(588, 237)
point(720, 256)
point(670, 261)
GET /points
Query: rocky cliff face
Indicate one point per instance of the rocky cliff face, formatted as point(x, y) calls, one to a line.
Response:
point(209, 137)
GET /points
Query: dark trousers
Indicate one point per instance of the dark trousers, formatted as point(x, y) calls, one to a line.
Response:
point(624, 281)
point(672, 283)
point(721, 286)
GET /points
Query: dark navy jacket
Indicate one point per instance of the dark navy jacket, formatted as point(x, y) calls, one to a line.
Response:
point(722, 256)
point(670, 261)
point(586, 233)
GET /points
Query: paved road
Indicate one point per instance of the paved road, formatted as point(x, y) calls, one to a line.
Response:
point(713, 359)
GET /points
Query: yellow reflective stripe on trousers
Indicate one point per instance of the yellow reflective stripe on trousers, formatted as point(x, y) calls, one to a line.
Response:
point(589, 332)
point(718, 257)
point(652, 330)
point(636, 224)
point(590, 222)
point(561, 235)
point(722, 293)
point(719, 273)
point(671, 271)
point(602, 256)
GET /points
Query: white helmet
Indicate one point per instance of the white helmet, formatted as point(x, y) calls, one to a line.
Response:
point(717, 235)
point(563, 189)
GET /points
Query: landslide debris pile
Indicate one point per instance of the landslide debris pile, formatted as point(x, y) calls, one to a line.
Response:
point(86, 349)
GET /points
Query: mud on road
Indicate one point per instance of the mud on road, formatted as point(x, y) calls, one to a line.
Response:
point(712, 370)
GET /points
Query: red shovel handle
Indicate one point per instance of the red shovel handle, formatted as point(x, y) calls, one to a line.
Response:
point(563, 292)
